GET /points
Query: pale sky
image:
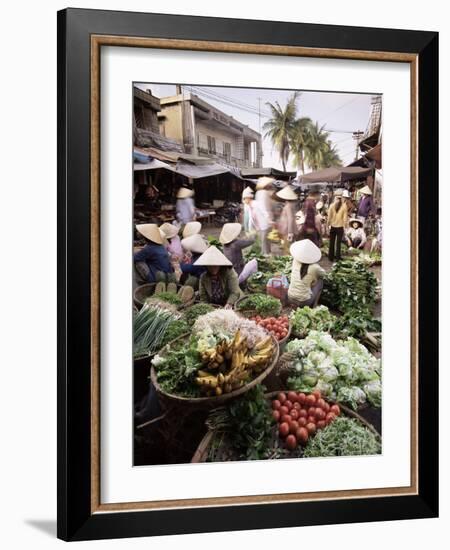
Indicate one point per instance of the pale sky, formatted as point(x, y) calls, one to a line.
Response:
point(341, 113)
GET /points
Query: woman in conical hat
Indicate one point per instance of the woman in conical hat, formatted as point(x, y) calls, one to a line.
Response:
point(185, 205)
point(355, 235)
point(191, 228)
point(286, 223)
point(219, 284)
point(233, 246)
point(153, 256)
point(172, 241)
point(306, 276)
point(366, 206)
point(194, 245)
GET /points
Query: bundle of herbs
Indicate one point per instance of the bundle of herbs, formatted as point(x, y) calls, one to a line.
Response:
point(192, 313)
point(149, 327)
point(260, 304)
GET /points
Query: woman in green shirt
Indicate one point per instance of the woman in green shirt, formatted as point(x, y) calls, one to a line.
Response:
point(219, 285)
point(306, 277)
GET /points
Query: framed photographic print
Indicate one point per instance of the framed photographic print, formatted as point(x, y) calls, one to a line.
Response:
point(247, 292)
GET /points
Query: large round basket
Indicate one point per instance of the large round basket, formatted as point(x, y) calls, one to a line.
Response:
point(250, 312)
point(214, 401)
point(141, 293)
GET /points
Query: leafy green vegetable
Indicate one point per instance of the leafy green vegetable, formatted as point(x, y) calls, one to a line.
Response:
point(170, 298)
point(193, 312)
point(175, 330)
point(355, 322)
point(343, 437)
point(304, 319)
point(263, 304)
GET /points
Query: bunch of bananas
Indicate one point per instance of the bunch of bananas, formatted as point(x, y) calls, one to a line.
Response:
point(274, 236)
point(231, 363)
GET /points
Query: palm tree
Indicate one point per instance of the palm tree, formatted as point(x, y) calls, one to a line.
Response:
point(299, 138)
point(316, 147)
point(279, 126)
point(331, 156)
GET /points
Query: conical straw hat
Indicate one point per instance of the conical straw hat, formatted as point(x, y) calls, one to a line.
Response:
point(213, 256)
point(230, 231)
point(305, 252)
point(169, 230)
point(366, 190)
point(191, 228)
point(194, 243)
point(247, 192)
point(346, 194)
point(184, 193)
point(287, 193)
point(319, 205)
point(151, 232)
point(355, 220)
point(264, 182)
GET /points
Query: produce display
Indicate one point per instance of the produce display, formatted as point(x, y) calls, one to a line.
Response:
point(243, 429)
point(300, 416)
point(171, 294)
point(168, 297)
point(278, 326)
point(268, 266)
point(349, 285)
point(149, 327)
point(356, 323)
point(262, 304)
point(224, 353)
point(343, 437)
point(177, 328)
point(305, 319)
point(192, 313)
point(344, 370)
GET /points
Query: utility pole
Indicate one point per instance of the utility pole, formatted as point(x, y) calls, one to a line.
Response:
point(357, 137)
point(259, 113)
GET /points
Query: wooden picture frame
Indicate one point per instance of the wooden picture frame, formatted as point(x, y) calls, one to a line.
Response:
point(81, 35)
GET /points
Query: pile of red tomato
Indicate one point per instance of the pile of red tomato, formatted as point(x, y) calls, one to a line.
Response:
point(278, 326)
point(300, 415)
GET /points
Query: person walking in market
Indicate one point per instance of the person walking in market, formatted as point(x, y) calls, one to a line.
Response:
point(219, 285)
point(311, 228)
point(366, 205)
point(256, 220)
point(185, 206)
point(153, 260)
point(286, 223)
point(263, 196)
point(337, 221)
point(306, 275)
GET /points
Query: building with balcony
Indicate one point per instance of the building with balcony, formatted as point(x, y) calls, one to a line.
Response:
point(206, 131)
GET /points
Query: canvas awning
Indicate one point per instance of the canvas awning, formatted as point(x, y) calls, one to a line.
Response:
point(184, 168)
point(336, 174)
point(253, 173)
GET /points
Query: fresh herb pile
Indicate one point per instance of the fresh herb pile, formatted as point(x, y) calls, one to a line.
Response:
point(305, 319)
point(344, 371)
point(247, 425)
point(170, 298)
point(177, 328)
point(343, 437)
point(268, 266)
point(356, 323)
point(192, 313)
point(349, 285)
point(262, 304)
point(149, 327)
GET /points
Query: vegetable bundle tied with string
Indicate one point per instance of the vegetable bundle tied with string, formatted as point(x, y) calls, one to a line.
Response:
point(149, 327)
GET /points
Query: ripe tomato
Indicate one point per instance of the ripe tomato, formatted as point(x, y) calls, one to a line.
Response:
point(293, 426)
point(330, 417)
point(321, 424)
point(302, 435)
point(283, 410)
point(294, 413)
point(317, 394)
point(320, 414)
point(311, 427)
point(312, 411)
point(292, 396)
point(335, 409)
point(327, 407)
point(303, 412)
point(286, 418)
point(302, 421)
point(288, 404)
point(284, 429)
point(301, 398)
point(276, 404)
point(320, 403)
point(281, 397)
point(311, 419)
point(291, 442)
point(276, 415)
point(310, 400)
point(297, 406)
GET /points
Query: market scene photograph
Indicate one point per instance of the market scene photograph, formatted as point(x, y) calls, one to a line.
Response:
point(257, 274)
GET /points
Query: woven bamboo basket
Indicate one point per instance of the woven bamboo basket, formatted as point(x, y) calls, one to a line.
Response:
point(214, 401)
point(141, 293)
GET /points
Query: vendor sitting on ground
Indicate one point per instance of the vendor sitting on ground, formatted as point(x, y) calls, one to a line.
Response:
point(195, 245)
point(153, 258)
point(232, 246)
point(306, 277)
point(355, 235)
point(219, 285)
